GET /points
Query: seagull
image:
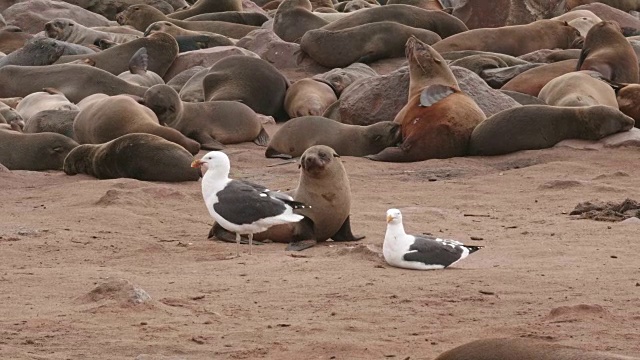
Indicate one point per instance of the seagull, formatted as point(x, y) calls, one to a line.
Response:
point(420, 252)
point(240, 206)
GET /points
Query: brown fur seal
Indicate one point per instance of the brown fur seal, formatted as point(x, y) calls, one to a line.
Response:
point(207, 6)
point(439, 22)
point(523, 349)
point(629, 101)
point(10, 115)
point(12, 38)
point(340, 78)
point(237, 17)
point(364, 43)
point(623, 5)
point(541, 126)
point(56, 121)
point(36, 52)
point(138, 156)
point(299, 134)
point(162, 50)
point(607, 51)
point(138, 73)
point(583, 24)
point(74, 81)
point(308, 97)
point(49, 99)
point(294, 18)
point(533, 80)
point(423, 4)
point(35, 152)
point(105, 119)
point(578, 89)
point(141, 16)
point(252, 81)
point(438, 119)
point(175, 31)
point(211, 123)
point(324, 186)
point(515, 40)
point(70, 31)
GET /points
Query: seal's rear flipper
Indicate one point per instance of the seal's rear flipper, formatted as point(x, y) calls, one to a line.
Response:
point(262, 139)
point(345, 234)
point(301, 245)
point(139, 62)
point(272, 153)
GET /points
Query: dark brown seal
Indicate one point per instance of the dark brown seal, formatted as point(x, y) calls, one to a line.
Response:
point(36, 52)
point(144, 157)
point(364, 43)
point(207, 6)
point(533, 80)
point(608, 52)
point(324, 185)
point(35, 152)
point(294, 18)
point(541, 126)
point(299, 134)
point(629, 101)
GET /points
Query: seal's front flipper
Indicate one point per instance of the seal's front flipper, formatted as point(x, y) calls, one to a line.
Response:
point(218, 232)
point(345, 234)
point(262, 139)
point(207, 142)
point(301, 245)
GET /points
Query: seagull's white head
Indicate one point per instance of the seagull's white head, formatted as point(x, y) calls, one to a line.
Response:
point(394, 216)
point(215, 161)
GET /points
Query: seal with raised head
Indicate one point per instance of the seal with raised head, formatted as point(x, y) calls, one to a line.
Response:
point(364, 43)
point(141, 16)
point(536, 127)
point(105, 119)
point(35, 152)
point(438, 119)
point(299, 134)
point(324, 186)
point(437, 21)
point(515, 40)
point(523, 349)
point(75, 81)
point(578, 88)
point(138, 156)
point(71, 31)
point(308, 97)
point(608, 52)
point(162, 50)
point(212, 123)
point(36, 52)
point(207, 6)
point(250, 80)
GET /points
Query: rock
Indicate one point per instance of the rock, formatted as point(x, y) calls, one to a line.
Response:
point(277, 52)
point(4, 169)
point(31, 16)
point(578, 312)
point(496, 78)
point(482, 14)
point(120, 291)
point(203, 57)
point(250, 6)
point(158, 357)
point(489, 100)
point(561, 184)
point(625, 138)
point(606, 13)
point(631, 221)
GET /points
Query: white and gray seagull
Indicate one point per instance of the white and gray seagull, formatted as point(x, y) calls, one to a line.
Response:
point(420, 252)
point(240, 206)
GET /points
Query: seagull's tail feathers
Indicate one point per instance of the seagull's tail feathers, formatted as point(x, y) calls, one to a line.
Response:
point(473, 249)
point(296, 204)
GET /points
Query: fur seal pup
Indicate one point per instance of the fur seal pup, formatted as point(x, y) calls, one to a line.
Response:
point(10, 115)
point(55, 121)
point(162, 50)
point(364, 43)
point(438, 119)
point(308, 97)
point(73, 80)
point(324, 185)
point(439, 22)
point(340, 78)
point(294, 18)
point(578, 89)
point(35, 152)
point(138, 156)
point(207, 6)
point(138, 73)
point(515, 40)
point(238, 17)
point(141, 16)
point(523, 349)
point(12, 38)
point(70, 31)
point(533, 80)
point(299, 134)
point(608, 52)
point(48, 99)
point(628, 99)
point(36, 52)
point(541, 126)
point(105, 119)
point(211, 123)
point(250, 80)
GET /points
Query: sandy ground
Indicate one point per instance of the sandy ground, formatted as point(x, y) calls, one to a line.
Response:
point(542, 274)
